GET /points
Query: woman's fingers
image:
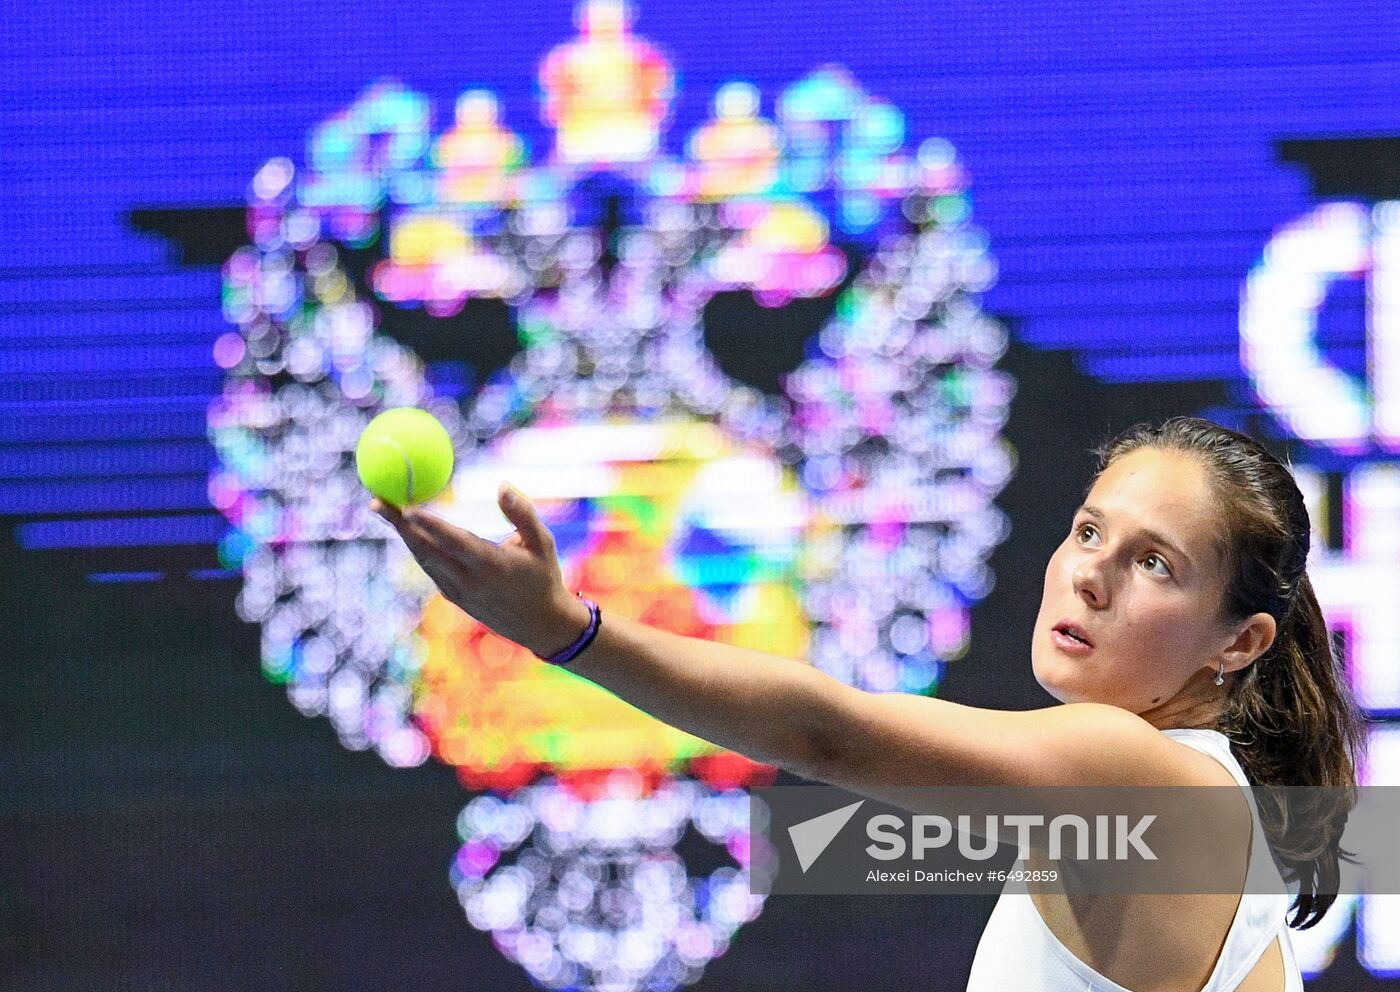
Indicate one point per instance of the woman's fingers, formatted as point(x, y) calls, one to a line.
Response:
point(455, 559)
point(466, 547)
point(534, 535)
point(405, 527)
point(420, 528)
point(439, 563)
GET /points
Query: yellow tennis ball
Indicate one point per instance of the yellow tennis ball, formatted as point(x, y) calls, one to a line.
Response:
point(404, 456)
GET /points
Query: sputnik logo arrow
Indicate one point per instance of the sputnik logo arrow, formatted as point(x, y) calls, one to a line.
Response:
point(811, 837)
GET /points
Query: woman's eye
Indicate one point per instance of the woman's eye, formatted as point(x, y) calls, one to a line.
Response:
point(1079, 531)
point(1162, 561)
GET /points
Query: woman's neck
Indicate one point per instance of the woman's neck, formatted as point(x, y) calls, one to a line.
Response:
point(1197, 706)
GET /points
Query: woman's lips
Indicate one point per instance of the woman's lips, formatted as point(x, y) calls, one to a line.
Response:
point(1068, 644)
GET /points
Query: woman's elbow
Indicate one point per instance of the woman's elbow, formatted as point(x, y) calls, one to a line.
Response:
point(822, 747)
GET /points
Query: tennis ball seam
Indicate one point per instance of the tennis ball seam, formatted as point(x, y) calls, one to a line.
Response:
point(407, 464)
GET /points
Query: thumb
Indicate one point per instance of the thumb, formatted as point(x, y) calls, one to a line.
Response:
point(520, 512)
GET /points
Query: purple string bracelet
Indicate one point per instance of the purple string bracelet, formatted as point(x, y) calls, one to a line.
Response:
point(595, 617)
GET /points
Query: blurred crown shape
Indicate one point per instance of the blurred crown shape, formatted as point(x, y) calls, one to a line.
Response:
point(845, 517)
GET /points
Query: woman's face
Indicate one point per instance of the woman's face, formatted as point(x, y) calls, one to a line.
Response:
point(1148, 602)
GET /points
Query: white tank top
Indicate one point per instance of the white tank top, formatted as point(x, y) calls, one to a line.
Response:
point(1019, 951)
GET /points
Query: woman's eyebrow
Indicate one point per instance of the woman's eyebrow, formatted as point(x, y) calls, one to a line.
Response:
point(1151, 535)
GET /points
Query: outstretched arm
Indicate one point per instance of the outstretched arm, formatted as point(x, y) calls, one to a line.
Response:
point(768, 708)
point(773, 709)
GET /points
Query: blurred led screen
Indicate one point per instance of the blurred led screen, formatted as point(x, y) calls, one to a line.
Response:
point(728, 292)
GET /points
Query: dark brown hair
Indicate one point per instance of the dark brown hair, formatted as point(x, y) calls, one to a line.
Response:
point(1290, 715)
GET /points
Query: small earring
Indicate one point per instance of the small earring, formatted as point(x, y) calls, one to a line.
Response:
point(1220, 675)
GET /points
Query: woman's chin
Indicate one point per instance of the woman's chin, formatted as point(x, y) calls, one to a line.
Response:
point(1059, 684)
point(1059, 692)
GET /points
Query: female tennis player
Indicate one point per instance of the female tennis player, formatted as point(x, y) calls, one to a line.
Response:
point(1177, 627)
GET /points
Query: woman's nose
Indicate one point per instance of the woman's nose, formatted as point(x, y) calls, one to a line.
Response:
point(1089, 581)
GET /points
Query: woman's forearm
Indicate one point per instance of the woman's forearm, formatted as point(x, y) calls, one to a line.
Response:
point(768, 708)
point(771, 709)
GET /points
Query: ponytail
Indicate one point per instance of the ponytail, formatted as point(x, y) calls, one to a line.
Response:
point(1292, 722)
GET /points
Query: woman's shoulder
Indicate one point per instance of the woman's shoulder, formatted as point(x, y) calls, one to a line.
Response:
point(1208, 753)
